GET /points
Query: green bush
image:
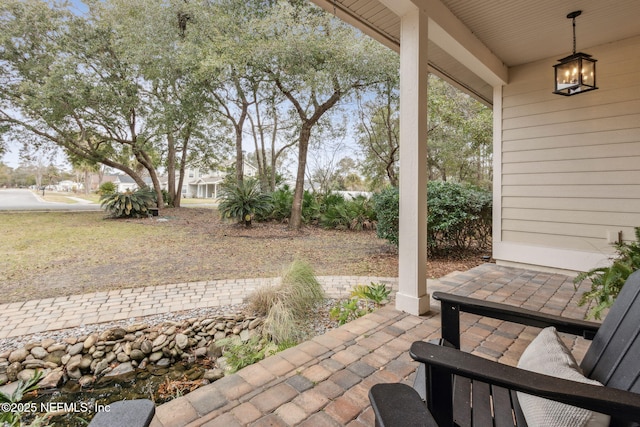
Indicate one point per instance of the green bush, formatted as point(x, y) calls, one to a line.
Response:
point(128, 204)
point(459, 216)
point(107, 188)
point(244, 201)
point(606, 282)
point(281, 202)
point(355, 214)
point(386, 205)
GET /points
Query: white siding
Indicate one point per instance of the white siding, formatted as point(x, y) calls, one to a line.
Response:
point(570, 165)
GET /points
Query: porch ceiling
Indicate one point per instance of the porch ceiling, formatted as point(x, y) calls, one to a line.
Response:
point(515, 31)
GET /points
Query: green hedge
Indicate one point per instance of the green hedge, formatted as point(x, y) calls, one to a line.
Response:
point(459, 216)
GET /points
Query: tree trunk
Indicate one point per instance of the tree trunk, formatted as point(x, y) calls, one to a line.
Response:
point(295, 222)
point(171, 169)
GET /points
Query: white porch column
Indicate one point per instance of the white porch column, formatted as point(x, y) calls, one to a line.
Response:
point(412, 295)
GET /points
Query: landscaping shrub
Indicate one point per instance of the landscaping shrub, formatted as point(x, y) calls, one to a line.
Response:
point(281, 202)
point(107, 188)
point(386, 205)
point(287, 306)
point(606, 282)
point(459, 216)
point(244, 201)
point(128, 204)
point(355, 214)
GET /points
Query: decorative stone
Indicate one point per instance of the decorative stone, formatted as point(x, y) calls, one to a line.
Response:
point(18, 355)
point(219, 336)
point(146, 347)
point(255, 323)
point(123, 368)
point(182, 341)
point(12, 371)
point(156, 356)
point(170, 330)
point(137, 355)
point(213, 374)
point(86, 361)
point(122, 357)
point(86, 381)
point(101, 366)
point(74, 362)
point(75, 349)
point(3, 379)
point(98, 354)
point(110, 357)
point(214, 351)
point(200, 352)
point(162, 338)
point(245, 335)
point(26, 374)
point(56, 347)
point(53, 380)
point(65, 359)
point(90, 341)
point(47, 342)
point(74, 374)
point(113, 334)
point(164, 362)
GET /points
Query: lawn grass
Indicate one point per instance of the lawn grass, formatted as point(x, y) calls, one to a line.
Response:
point(50, 254)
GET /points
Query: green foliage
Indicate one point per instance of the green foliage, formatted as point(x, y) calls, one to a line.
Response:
point(128, 204)
point(14, 419)
point(244, 201)
point(347, 311)
point(459, 216)
point(358, 305)
point(288, 305)
point(107, 188)
point(606, 282)
point(378, 293)
point(355, 214)
point(281, 201)
point(386, 205)
point(240, 354)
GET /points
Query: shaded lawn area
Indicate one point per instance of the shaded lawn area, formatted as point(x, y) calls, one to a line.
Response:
point(50, 254)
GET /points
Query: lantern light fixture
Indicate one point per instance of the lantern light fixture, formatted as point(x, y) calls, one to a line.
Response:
point(577, 72)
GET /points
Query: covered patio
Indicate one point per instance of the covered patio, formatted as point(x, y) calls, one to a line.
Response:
point(325, 381)
point(566, 168)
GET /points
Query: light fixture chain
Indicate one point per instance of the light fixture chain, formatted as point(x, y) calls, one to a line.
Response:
point(574, 35)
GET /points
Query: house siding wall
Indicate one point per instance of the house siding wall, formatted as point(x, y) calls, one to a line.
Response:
point(570, 177)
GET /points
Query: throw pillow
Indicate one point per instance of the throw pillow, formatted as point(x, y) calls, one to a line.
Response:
point(548, 355)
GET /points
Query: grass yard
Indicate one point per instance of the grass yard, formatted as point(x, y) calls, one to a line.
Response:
point(50, 254)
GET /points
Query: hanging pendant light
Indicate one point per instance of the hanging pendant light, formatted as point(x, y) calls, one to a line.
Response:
point(575, 73)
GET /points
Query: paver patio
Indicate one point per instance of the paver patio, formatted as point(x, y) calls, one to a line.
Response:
point(324, 381)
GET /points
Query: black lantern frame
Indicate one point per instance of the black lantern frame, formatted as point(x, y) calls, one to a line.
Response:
point(575, 73)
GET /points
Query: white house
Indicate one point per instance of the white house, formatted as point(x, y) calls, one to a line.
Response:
point(206, 185)
point(566, 168)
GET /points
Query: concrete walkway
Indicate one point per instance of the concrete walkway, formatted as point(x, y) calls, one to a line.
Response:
point(50, 314)
point(324, 381)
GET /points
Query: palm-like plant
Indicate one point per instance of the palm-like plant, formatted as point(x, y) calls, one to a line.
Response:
point(606, 282)
point(244, 200)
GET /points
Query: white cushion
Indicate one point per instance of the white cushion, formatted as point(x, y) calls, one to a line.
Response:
point(548, 355)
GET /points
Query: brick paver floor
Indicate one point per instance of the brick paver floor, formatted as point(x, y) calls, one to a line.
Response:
point(324, 381)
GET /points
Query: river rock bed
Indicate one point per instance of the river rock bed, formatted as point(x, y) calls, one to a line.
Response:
point(89, 352)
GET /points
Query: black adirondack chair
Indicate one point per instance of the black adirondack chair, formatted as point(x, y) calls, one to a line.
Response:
point(461, 389)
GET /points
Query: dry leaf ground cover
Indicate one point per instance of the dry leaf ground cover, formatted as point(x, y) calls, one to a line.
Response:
point(50, 254)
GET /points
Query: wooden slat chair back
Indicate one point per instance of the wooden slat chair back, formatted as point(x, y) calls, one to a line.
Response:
point(461, 389)
point(613, 357)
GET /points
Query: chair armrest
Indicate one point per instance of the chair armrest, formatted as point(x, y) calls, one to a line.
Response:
point(452, 305)
point(399, 405)
point(619, 403)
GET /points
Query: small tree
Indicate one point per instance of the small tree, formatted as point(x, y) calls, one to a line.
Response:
point(244, 200)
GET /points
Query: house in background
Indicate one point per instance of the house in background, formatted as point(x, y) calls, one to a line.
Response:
point(566, 168)
point(206, 185)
